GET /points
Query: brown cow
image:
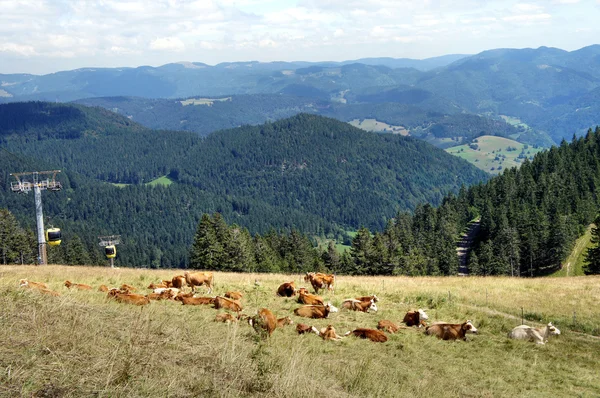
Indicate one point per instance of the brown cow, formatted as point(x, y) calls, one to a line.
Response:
point(32, 284)
point(225, 317)
point(287, 289)
point(368, 298)
point(451, 331)
point(415, 318)
point(234, 295)
point(264, 321)
point(178, 281)
point(357, 305)
point(128, 288)
point(194, 300)
point(49, 292)
point(320, 281)
point(315, 311)
point(129, 298)
point(157, 285)
point(199, 279)
point(80, 286)
point(103, 288)
point(329, 333)
point(388, 326)
point(303, 328)
point(281, 322)
point(310, 299)
point(228, 304)
point(371, 334)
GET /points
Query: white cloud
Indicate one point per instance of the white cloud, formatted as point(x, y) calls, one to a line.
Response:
point(17, 49)
point(167, 44)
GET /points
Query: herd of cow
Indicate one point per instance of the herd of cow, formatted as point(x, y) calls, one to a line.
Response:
point(313, 306)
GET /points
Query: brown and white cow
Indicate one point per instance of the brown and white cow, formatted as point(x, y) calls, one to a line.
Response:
point(310, 299)
point(263, 321)
point(357, 305)
point(537, 335)
point(199, 279)
point(315, 311)
point(228, 304)
point(320, 281)
point(79, 286)
point(451, 331)
point(368, 298)
point(372, 334)
point(234, 295)
point(303, 328)
point(287, 289)
point(32, 284)
point(415, 318)
point(190, 300)
point(281, 322)
point(329, 333)
point(388, 326)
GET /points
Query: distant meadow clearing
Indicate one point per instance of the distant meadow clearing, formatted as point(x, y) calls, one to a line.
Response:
point(81, 344)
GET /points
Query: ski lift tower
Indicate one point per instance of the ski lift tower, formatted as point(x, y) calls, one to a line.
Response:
point(40, 180)
point(109, 243)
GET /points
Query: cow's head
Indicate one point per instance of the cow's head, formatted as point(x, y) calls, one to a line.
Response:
point(468, 327)
point(375, 298)
point(372, 306)
point(308, 276)
point(552, 330)
point(23, 282)
point(331, 307)
point(287, 321)
point(422, 315)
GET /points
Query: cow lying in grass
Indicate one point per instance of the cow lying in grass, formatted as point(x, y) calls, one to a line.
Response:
point(415, 318)
point(79, 286)
point(538, 335)
point(451, 331)
point(372, 334)
point(315, 311)
point(358, 305)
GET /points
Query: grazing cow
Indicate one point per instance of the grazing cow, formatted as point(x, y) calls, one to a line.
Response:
point(415, 318)
point(451, 331)
point(538, 335)
point(287, 289)
point(49, 292)
point(310, 299)
point(33, 285)
point(315, 311)
point(185, 300)
point(303, 328)
point(128, 298)
point(199, 279)
point(154, 286)
point(357, 305)
point(388, 326)
point(234, 295)
point(281, 322)
point(228, 304)
point(320, 281)
point(372, 334)
point(80, 286)
point(128, 288)
point(225, 317)
point(329, 333)
point(103, 288)
point(178, 281)
point(263, 321)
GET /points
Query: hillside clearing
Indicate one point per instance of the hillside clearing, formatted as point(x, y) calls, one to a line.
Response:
point(493, 154)
point(573, 265)
point(378, 126)
point(80, 344)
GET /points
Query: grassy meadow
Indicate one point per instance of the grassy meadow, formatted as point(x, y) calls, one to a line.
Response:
point(81, 344)
point(492, 154)
point(378, 126)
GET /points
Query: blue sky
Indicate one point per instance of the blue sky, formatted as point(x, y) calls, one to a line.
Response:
point(44, 36)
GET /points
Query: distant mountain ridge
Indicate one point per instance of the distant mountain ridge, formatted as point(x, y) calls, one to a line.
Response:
point(545, 88)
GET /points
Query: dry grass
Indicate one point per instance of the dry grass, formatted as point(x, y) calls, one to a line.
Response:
point(80, 344)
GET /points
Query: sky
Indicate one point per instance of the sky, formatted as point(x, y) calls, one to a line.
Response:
point(46, 36)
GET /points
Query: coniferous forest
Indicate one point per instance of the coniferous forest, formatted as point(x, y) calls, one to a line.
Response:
point(258, 198)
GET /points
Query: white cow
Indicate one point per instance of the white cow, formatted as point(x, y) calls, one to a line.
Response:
point(538, 335)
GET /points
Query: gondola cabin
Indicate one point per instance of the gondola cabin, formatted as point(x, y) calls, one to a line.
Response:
point(53, 236)
point(110, 251)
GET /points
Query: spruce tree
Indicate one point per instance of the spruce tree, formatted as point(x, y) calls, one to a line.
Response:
point(592, 256)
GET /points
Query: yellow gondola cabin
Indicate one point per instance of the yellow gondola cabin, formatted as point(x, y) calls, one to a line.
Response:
point(53, 236)
point(110, 251)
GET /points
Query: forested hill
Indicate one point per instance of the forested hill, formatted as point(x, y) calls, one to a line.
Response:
point(327, 168)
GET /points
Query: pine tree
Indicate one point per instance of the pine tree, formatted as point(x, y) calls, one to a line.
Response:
point(331, 258)
point(76, 253)
point(361, 252)
point(206, 251)
point(592, 256)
